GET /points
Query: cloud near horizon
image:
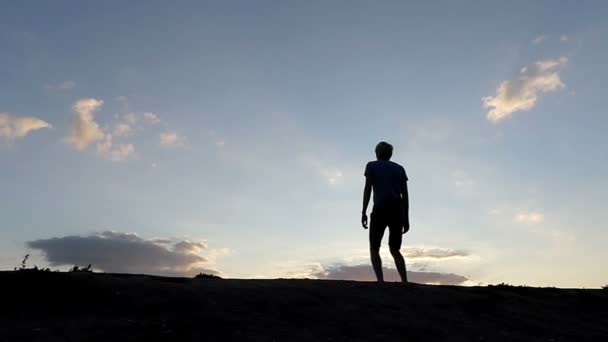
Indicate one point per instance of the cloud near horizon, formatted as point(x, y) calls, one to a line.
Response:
point(522, 94)
point(14, 127)
point(364, 272)
point(434, 253)
point(118, 252)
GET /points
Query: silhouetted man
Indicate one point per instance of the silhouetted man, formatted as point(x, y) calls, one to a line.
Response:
point(388, 180)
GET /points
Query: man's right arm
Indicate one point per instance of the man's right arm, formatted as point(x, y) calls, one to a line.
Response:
point(405, 203)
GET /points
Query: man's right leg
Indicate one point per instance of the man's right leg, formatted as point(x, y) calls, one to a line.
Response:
point(376, 263)
point(399, 264)
point(376, 231)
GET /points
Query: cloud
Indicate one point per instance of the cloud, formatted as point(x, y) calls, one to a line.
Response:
point(217, 140)
point(119, 252)
point(115, 152)
point(65, 85)
point(365, 273)
point(564, 38)
point(151, 118)
point(522, 94)
point(434, 253)
point(539, 39)
point(329, 173)
point(122, 130)
point(462, 180)
point(136, 119)
point(171, 138)
point(530, 217)
point(85, 130)
point(12, 127)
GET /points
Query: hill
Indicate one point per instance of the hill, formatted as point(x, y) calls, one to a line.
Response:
point(51, 306)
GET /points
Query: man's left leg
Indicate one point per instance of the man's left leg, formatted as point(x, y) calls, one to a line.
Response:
point(394, 242)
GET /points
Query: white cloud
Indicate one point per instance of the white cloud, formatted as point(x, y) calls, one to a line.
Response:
point(462, 180)
point(65, 85)
point(539, 39)
point(131, 118)
point(122, 130)
point(330, 174)
point(217, 140)
point(115, 152)
point(564, 38)
point(151, 118)
point(12, 127)
point(171, 138)
point(530, 217)
point(522, 94)
point(85, 130)
point(119, 252)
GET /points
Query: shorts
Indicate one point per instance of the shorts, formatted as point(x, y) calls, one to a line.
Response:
point(386, 217)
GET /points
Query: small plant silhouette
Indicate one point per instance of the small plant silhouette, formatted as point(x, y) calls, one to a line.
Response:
point(24, 268)
point(605, 287)
point(207, 276)
point(24, 262)
point(81, 269)
point(502, 285)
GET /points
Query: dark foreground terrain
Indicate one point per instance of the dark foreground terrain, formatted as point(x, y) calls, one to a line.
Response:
point(48, 306)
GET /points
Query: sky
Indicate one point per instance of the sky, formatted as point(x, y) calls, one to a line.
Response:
point(231, 137)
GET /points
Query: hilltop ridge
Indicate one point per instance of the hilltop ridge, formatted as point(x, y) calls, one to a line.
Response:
point(51, 306)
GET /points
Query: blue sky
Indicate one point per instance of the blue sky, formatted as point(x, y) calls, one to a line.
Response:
point(233, 136)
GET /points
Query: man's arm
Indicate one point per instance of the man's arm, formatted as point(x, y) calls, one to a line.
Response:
point(367, 193)
point(405, 203)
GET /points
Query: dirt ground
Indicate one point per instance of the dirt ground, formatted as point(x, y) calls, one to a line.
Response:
point(50, 306)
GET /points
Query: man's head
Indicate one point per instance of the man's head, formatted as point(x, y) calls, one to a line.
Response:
point(384, 151)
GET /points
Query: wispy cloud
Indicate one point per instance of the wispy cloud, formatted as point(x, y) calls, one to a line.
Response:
point(65, 85)
point(522, 94)
point(151, 118)
point(14, 127)
point(120, 252)
point(539, 39)
point(122, 130)
point(329, 173)
point(172, 138)
point(530, 217)
point(115, 152)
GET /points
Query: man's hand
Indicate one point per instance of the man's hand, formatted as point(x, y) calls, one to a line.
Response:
point(406, 227)
point(364, 220)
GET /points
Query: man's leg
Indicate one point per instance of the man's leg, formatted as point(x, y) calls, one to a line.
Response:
point(376, 263)
point(395, 239)
point(399, 264)
point(376, 231)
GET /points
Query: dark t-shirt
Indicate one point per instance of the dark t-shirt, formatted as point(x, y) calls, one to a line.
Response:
point(386, 177)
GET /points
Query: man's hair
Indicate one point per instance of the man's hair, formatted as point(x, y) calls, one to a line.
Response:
point(384, 151)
